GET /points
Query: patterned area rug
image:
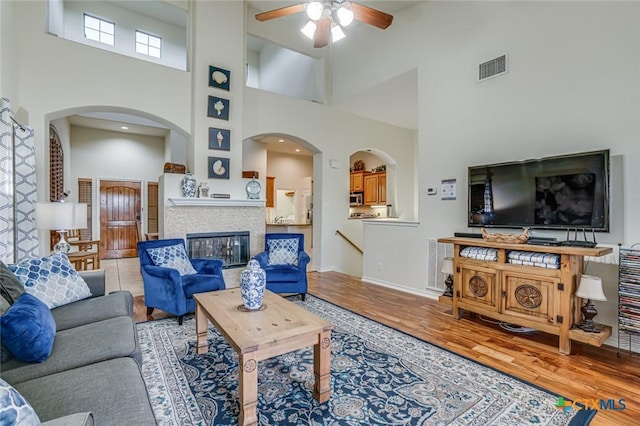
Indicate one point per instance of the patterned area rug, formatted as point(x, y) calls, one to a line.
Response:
point(378, 376)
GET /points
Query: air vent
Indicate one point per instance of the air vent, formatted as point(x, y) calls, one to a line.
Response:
point(492, 68)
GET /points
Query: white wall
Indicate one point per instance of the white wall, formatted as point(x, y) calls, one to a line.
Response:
point(336, 135)
point(122, 156)
point(218, 40)
point(289, 170)
point(289, 73)
point(572, 86)
point(174, 39)
point(9, 52)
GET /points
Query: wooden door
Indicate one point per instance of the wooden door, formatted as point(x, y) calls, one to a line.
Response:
point(530, 297)
point(119, 218)
point(479, 287)
point(271, 191)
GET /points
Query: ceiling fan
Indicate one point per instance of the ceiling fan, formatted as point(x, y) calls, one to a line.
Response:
point(328, 17)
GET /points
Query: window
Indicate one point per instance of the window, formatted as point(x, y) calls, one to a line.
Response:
point(99, 30)
point(148, 44)
point(56, 166)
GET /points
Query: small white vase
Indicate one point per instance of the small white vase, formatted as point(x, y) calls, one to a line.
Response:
point(189, 185)
point(253, 282)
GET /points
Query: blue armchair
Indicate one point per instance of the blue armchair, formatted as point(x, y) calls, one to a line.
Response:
point(285, 262)
point(171, 289)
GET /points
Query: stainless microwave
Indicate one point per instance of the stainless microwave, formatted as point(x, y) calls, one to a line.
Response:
point(355, 199)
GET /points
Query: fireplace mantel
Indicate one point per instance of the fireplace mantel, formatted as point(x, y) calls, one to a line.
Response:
point(215, 202)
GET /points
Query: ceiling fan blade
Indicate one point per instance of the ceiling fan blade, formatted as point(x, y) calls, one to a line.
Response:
point(371, 16)
point(283, 11)
point(323, 29)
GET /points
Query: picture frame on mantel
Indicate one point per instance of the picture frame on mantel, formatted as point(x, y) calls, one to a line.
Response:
point(219, 139)
point(218, 108)
point(219, 78)
point(218, 168)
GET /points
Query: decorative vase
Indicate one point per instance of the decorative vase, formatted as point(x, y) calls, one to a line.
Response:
point(253, 282)
point(189, 185)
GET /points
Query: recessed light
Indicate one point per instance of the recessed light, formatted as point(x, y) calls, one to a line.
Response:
point(280, 140)
point(124, 127)
point(297, 149)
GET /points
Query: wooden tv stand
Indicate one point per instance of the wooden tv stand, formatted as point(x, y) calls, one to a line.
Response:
point(528, 296)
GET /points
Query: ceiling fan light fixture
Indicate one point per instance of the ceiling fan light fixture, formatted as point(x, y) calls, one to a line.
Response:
point(309, 29)
point(314, 10)
point(345, 15)
point(336, 33)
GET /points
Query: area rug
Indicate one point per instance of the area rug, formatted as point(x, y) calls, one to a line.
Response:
point(379, 376)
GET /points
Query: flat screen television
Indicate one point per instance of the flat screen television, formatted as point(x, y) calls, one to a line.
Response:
point(561, 192)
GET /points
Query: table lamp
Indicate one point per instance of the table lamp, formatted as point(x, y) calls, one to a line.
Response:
point(61, 216)
point(447, 270)
point(590, 288)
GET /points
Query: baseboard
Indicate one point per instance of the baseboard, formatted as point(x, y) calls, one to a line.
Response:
point(425, 293)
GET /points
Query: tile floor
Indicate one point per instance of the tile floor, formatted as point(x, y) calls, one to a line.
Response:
point(123, 274)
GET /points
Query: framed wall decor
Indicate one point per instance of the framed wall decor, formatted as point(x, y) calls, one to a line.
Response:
point(219, 139)
point(218, 108)
point(218, 168)
point(219, 78)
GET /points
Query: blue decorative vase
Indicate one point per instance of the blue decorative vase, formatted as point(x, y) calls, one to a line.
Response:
point(253, 282)
point(189, 185)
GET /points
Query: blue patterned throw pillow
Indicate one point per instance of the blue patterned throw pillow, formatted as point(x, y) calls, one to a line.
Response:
point(283, 252)
point(14, 409)
point(28, 329)
point(174, 257)
point(51, 279)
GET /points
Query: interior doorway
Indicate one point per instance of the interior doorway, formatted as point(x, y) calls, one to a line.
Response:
point(119, 218)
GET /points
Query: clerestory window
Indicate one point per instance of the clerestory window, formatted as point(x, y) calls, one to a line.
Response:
point(148, 44)
point(99, 30)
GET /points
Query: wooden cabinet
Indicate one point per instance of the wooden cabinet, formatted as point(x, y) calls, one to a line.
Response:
point(528, 296)
point(375, 189)
point(356, 181)
point(271, 192)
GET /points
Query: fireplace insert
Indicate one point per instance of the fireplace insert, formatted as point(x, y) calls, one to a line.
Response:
point(230, 247)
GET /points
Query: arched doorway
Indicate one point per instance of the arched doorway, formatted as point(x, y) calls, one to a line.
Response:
point(372, 184)
point(126, 149)
point(287, 165)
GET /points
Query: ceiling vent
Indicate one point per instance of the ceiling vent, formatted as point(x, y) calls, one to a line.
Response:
point(492, 68)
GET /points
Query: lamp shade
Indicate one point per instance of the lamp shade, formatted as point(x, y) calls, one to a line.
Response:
point(447, 266)
point(591, 288)
point(61, 216)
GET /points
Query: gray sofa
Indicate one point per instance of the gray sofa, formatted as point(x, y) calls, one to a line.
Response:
point(92, 376)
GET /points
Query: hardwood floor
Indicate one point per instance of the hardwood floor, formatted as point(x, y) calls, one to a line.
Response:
point(591, 373)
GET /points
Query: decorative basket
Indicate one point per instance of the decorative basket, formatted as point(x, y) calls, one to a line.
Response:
point(506, 238)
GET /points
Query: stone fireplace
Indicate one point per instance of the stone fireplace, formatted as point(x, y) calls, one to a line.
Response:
point(184, 216)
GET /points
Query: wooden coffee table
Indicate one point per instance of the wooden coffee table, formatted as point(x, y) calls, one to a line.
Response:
point(279, 328)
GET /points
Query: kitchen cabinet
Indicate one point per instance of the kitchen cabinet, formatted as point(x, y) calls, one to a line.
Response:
point(356, 181)
point(528, 296)
point(375, 189)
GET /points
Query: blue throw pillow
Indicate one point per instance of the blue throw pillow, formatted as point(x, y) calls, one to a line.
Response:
point(174, 257)
point(283, 251)
point(51, 279)
point(28, 329)
point(14, 409)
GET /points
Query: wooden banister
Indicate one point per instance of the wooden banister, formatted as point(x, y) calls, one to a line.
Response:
point(349, 241)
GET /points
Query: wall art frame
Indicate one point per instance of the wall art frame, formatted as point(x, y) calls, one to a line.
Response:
point(218, 108)
point(219, 78)
point(218, 168)
point(219, 139)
